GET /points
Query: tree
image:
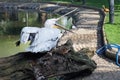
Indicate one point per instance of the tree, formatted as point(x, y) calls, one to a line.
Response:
point(111, 12)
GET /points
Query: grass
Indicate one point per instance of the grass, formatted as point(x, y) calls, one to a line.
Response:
point(112, 30)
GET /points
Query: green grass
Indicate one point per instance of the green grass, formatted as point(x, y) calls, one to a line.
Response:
point(112, 34)
point(112, 30)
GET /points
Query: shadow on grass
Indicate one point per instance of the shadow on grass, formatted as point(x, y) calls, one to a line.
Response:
point(112, 23)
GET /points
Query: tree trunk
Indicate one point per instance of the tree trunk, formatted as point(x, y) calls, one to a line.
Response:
point(111, 12)
point(31, 66)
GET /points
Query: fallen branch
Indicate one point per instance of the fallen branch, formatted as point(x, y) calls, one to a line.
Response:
point(64, 62)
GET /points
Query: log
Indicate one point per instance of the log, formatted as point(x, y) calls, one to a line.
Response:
point(64, 63)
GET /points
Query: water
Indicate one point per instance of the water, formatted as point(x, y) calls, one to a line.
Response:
point(11, 23)
point(8, 47)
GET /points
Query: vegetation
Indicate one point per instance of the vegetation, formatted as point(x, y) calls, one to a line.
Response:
point(112, 30)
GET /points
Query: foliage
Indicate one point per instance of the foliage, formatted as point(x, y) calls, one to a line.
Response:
point(13, 30)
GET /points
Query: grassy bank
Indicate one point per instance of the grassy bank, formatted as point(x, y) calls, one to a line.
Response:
point(112, 30)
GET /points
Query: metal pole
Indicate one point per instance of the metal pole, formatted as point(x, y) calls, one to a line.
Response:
point(111, 12)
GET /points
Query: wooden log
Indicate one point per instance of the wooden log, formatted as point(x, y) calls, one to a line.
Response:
point(63, 62)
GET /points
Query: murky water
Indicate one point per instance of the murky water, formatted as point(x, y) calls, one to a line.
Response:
point(11, 23)
point(7, 46)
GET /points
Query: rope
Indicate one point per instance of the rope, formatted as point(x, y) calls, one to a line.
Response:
point(109, 46)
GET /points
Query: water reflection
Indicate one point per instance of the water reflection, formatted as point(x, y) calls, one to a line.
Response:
point(11, 23)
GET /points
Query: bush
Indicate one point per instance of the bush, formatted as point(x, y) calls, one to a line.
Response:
point(13, 30)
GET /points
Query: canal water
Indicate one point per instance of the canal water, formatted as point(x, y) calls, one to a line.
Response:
point(11, 23)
